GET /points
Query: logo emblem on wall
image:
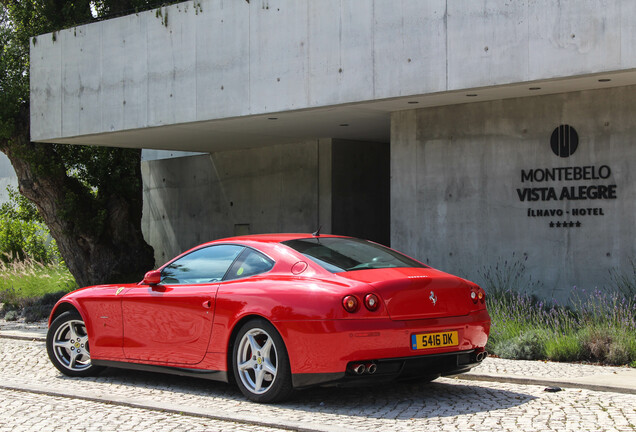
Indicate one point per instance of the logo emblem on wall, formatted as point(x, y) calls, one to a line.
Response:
point(564, 141)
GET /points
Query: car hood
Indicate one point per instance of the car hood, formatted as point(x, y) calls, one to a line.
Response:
point(417, 293)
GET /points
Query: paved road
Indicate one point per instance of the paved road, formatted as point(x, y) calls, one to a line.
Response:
point(25, 411)
point(35, 397)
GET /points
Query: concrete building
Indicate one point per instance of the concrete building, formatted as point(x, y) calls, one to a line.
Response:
point(460, 132)
point(7, 177)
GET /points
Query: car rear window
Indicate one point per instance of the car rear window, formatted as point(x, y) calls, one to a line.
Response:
point(342, 254)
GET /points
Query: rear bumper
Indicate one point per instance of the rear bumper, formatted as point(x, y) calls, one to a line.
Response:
point(405, 368)
point(321, 351)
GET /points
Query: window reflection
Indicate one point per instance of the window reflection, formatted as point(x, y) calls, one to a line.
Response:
point(201, 266)
point(345, 254)
point(250, 263)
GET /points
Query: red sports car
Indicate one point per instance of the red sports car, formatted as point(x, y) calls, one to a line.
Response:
point(277, 312)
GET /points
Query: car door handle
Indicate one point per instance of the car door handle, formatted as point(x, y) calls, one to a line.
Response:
point(207, 304)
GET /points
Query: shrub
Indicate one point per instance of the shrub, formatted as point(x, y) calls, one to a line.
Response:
point(564, 347)
point(50, 299)
point(609, 308)
point(596, 343)
point(18, 207)
point(624, 282)
point(21, 240)
point(31, 308)
point(9, 311)
point(528, 345)
point(23, 235)
point(614, 346)
point(507, 278)
point(40, 308)
point(11, 315)
point(618, 354)
point(598, 326)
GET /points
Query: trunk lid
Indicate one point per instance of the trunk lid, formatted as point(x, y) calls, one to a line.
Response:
point(417, 293)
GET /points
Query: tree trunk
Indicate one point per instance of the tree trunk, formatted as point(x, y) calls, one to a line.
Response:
point(107, 252)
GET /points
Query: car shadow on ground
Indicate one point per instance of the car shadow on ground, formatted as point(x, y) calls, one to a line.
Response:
point(444, 397)
point(403, 401)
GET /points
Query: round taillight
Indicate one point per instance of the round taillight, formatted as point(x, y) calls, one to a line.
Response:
point(477, 295)
point(372, 302)
point(350, 303)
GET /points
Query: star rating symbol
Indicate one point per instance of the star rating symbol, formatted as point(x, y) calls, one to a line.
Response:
point(565, 224)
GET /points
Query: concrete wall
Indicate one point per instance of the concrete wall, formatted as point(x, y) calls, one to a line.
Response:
point(7, 177)
point(215, 59)
point(459, 174)
point(341, 186)
point(194, 199)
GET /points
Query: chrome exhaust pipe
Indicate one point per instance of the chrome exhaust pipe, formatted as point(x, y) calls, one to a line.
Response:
point(358, 368)
point(371, 368)
point(481, 356)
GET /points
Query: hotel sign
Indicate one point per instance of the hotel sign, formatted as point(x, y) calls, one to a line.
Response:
point(584, 186)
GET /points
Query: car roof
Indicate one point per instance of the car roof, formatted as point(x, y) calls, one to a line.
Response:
point(273, 238)
point(266, 240)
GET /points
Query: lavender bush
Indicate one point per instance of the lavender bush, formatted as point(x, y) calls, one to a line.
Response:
point(596, 326)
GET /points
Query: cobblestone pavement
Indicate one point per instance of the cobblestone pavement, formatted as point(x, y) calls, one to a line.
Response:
point(127, 400)
point(542, 368)
point(22, 411)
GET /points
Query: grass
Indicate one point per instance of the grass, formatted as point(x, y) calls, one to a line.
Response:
point(32, 279)
point(30, 289)
point(597, 326)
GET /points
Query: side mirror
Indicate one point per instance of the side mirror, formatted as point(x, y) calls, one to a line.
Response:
point(153, 277)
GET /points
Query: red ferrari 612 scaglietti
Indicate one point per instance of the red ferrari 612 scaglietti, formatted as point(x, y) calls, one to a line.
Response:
point(277, 312)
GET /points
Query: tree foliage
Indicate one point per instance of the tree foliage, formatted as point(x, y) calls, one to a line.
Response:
point(90, 197)
point(23, 235)
point(19, 207)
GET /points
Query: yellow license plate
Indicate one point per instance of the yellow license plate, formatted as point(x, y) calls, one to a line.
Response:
point(434, 340)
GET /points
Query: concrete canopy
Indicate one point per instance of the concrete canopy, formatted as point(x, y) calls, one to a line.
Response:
point(209, 75)
point(368, 121)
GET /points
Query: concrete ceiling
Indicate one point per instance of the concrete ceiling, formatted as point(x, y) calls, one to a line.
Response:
point(365, 121)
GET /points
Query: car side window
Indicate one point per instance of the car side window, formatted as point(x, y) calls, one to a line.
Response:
point(204, 265)
point(250, 263)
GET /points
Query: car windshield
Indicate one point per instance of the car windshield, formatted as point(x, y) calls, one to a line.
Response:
point(345, 254)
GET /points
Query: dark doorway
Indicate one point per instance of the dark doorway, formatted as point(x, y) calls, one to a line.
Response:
point(361, 190)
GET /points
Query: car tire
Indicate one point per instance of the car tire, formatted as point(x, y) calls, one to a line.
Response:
point(67, 346)
point(261, 363)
